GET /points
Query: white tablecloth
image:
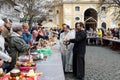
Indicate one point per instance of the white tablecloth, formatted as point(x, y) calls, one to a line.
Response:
point(52, 68)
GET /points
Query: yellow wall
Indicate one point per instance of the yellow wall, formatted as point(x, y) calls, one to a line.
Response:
point(67, 13)
point(54, 13)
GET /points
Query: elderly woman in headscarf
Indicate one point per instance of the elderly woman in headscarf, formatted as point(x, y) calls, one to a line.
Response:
point(66, 49)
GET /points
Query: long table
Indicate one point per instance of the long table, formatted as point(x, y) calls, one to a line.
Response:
point(115, 43)
point(113, 40)
point(52, 68)
point(95, 38)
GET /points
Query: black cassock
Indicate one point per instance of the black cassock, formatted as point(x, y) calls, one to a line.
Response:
point(79, 51)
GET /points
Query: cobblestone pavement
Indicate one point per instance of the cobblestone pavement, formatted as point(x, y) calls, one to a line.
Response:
point(101, 64)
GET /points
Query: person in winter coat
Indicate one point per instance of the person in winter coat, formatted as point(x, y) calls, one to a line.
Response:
point(99, 32)
point(16, 45)
point(6, 31)
point(4, 57)
point(26, 34)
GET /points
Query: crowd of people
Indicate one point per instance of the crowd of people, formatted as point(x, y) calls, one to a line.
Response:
point(101, 32)
point(73, 46)
point(113, 33)
point(18, 40)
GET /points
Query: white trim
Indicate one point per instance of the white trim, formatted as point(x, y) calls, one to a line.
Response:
point(87, 9)
point(92, 7)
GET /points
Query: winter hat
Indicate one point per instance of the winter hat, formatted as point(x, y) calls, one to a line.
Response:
point(1, 22)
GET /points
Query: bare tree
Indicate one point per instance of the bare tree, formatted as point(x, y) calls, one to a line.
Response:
point(117, 2)
point(33, 8)
point(114, 4)
point(30, 8)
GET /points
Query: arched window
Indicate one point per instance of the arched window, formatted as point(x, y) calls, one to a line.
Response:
point(77, 8)
point(103, 8)
point(77, 18)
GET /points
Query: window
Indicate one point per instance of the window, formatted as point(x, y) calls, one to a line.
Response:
point(77, 18)
point(104, 25)
point(103, 8)
point(57, 12)
point(50, 10)
point(77, 8)
point(50, 20)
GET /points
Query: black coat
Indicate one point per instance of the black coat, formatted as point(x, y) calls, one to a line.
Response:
point(79, 43)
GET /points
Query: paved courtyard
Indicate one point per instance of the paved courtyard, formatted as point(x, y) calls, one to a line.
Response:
point(101, 64)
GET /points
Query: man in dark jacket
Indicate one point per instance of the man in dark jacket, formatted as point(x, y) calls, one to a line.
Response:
point(79, 50)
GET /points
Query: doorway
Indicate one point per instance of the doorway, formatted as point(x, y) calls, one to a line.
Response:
point(90, 18)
